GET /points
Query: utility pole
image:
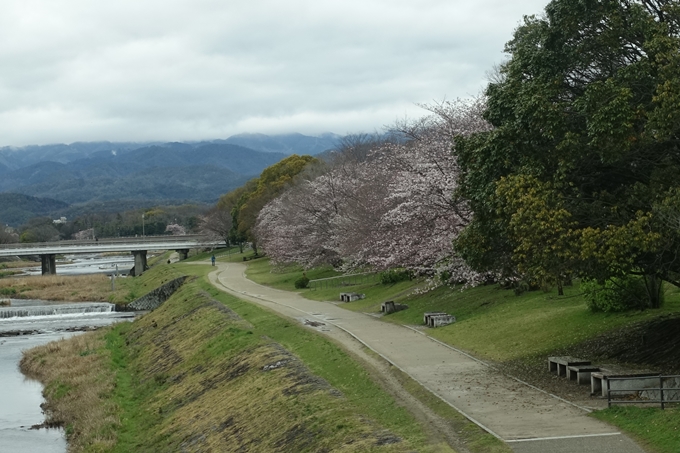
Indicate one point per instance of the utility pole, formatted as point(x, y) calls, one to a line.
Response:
point(142, 224)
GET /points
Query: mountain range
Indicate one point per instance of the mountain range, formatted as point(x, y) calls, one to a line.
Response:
point(104, 174)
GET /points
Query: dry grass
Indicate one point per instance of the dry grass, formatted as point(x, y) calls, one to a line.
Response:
point(19, 264)
point(77, 288)
point(77, 382)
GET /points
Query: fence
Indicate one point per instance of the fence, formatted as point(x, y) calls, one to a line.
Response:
point(663, 394)
point(344, 280)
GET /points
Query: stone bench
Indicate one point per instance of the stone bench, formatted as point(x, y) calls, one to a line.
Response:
point(351, 297)
point(392, 307)
point(559, 365)
point(623, 387)
point(439, 319)
point(426, 316)
point(581, 373)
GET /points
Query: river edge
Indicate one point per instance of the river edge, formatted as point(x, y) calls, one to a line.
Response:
point(165, 365)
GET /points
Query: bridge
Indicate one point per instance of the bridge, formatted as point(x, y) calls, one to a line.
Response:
point(138, 246)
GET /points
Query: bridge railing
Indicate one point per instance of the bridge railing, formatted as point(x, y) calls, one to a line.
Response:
point(112, 241)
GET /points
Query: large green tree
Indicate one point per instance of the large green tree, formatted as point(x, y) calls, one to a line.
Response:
point(246, 202)
point(580, 174)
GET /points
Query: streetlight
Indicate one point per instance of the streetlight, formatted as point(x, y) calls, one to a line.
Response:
point(142, 224)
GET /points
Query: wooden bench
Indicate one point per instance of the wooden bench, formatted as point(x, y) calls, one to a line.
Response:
point(581, 373)
point(559, 365)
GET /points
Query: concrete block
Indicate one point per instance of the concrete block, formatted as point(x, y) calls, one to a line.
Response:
point(559, 364)
point(581, 373)
point(441, 320)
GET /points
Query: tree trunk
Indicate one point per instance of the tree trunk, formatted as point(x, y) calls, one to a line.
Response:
point(560, 287)
point(654, 287)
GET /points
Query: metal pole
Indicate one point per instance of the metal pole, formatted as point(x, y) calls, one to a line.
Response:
point(661, 391)
point(609, 395)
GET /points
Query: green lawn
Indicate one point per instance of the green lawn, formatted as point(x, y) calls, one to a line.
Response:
point(496, 325)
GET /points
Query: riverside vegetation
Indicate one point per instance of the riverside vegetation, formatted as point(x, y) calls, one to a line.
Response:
point(208, 372)
point(190, 374)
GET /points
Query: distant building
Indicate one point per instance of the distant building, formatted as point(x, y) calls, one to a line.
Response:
point(60, 220)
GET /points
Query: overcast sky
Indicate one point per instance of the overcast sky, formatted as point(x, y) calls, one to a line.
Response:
point(139, 70)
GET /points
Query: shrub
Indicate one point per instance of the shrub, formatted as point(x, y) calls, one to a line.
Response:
point(8, 291)
point(617, 294)
point(302, 282)
point(394, 276)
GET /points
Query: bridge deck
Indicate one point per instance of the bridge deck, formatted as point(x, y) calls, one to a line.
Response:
point(110, 245)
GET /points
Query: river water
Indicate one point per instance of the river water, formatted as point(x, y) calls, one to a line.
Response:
point(29, 323)
point(84, 263)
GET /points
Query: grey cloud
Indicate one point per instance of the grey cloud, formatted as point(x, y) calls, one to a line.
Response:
point(74, 70)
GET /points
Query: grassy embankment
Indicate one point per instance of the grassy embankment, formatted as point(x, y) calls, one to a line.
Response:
point(499, 326)
point(197, 375)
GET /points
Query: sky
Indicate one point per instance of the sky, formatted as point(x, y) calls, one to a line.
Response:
point(181, 70)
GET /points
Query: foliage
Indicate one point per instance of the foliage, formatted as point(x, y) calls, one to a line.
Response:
point(16, 209)
point(247, 201)
point(582, 159)
point(38, 229)
point(302, 282)
point(616, 294)
point(384, 203)
point(394, 276)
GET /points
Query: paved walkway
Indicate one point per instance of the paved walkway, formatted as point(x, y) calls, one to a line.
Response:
point(529, 420)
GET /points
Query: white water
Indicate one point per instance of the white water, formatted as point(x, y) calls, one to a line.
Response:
point(23, 325)
point(48, 311)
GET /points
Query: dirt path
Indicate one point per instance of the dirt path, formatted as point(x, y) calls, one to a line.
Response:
point(528, 419)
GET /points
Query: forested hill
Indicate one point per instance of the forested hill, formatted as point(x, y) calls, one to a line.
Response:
point(16, 209)
point(172, 172)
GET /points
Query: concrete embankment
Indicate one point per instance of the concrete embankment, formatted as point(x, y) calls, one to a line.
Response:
point(155, 298)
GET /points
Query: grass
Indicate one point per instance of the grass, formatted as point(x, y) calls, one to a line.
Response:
point(496, 325)
point(77, 380)
point(190, 376)
point(655, 428)
point(58, 287)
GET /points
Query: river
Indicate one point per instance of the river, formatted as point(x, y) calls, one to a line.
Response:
point(89, 264)
point(29, 323)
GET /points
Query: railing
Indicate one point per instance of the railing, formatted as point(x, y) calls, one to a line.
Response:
point(108, 241)
point(344, 280)
point(672, 394)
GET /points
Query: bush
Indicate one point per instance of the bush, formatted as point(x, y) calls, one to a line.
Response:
point(394, 276)
point(302, 282)
point(617, 294)
point(8, 291)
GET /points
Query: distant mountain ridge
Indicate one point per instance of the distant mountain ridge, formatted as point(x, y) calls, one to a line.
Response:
point(82, 177)
point(12, 158)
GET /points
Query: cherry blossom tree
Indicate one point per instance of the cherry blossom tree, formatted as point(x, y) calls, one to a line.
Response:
point(175, 229)
point(391, 206)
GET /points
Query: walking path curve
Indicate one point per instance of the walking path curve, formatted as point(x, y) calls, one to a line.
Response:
point(528, 419)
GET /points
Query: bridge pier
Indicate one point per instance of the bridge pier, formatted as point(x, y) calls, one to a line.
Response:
point(48, 264)
point(183, 254)
point(140, 262)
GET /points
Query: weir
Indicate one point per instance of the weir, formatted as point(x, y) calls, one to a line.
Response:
point(56, 310)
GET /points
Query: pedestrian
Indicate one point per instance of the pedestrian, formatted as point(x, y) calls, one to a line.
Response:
point(212, 258)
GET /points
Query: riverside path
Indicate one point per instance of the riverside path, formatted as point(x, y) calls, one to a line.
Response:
point(526, 418)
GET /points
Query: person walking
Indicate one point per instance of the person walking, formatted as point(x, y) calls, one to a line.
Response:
point(212, 258)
